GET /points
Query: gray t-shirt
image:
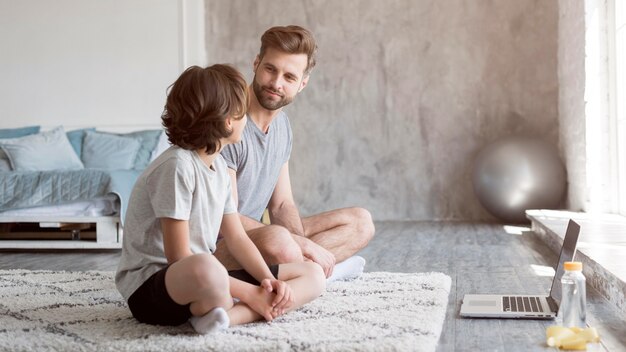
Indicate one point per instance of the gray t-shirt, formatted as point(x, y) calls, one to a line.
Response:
point(180, 186)
point(257, 159)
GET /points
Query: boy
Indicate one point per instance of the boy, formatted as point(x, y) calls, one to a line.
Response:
point(167, 273)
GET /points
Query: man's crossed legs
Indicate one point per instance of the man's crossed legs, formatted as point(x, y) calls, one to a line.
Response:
point(342, 232)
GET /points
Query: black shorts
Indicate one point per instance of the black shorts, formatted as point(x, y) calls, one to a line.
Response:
point(151, 304)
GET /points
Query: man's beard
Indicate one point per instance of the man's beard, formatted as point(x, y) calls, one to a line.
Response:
point(267, 103)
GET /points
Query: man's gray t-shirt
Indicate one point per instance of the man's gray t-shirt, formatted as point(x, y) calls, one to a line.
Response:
point(177, 185)
point(257, 159)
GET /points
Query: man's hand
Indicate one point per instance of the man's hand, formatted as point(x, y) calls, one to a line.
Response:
point(321, 256)
point(284, 297)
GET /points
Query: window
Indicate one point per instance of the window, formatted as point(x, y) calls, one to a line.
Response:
point(605, 105)
point(600, 139)
point(617, 15)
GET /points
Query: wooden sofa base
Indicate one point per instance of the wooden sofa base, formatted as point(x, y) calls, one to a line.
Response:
point(77, 232)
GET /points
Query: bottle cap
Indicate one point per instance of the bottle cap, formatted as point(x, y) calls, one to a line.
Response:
point(573, 266)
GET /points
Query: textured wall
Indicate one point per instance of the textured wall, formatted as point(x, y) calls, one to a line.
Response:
point(571, 74)
point(405, 94)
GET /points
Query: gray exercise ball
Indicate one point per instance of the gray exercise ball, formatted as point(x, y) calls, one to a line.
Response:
point(515, 174)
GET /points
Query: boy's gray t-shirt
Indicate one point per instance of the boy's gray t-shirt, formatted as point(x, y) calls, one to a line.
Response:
point(177, 185)
point(257, 159)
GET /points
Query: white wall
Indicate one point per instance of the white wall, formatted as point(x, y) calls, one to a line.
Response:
point(93, 63)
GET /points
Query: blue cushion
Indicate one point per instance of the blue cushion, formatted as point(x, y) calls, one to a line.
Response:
point(18, 132)
point(162, 145)
point(50, 150)
point(109, 151)
point(4, 162)
point(149, 140)
point(76, 138)
point(13, 133)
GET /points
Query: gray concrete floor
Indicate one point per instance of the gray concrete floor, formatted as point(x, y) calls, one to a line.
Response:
point(480, 258)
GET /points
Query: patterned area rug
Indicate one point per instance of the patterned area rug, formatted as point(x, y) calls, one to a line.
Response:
point(82, 311)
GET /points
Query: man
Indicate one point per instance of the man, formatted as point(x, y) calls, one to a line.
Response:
point(259, 169)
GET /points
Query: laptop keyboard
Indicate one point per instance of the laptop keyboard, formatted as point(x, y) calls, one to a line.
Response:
point(521, 304)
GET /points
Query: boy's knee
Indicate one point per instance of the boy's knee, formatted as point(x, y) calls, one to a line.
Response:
point(212, 283)
point(318, 273)
point(209, 274)
point(316, 276)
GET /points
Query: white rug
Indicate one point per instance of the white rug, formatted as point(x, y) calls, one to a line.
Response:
point(82, 311)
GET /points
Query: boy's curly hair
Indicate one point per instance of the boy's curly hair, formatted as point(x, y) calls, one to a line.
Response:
point(198, 104)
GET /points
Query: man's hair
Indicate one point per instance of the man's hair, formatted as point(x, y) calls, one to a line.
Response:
point(290, 39)
point(198, 104)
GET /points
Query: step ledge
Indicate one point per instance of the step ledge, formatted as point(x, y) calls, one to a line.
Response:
point(601, 247)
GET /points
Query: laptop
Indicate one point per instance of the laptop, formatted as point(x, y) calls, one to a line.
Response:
point(525, 306)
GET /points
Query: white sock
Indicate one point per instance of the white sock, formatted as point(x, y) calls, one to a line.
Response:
point(348, 269)
point(213, 321)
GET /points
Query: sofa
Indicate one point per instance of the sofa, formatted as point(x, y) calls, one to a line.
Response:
point(70, 180)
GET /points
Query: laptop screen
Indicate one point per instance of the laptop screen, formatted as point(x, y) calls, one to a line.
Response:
point(567, 254)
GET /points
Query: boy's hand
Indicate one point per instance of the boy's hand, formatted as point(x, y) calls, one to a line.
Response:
point(283, 299)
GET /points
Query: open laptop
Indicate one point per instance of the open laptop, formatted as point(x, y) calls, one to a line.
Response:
point(525, 306)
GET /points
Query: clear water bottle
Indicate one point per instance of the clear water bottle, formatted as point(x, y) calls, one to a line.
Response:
point(573, 309)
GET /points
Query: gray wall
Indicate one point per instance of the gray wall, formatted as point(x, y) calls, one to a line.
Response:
point(405, 94)
point(571, 74)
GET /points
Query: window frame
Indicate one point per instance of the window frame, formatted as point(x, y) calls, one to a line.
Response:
point(616, 23)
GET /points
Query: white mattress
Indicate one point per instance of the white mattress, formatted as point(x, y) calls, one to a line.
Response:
point(102, 206)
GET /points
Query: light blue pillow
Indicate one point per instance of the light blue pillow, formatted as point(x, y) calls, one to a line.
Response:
point(4, 162)
point(18, 132)
point(13, 133)
point(149, 140)
point(162, 145)
point(76, 138)
point(50, 150)
point(109, 151)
